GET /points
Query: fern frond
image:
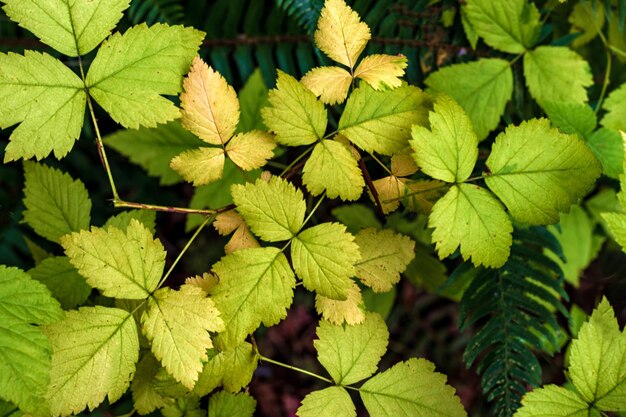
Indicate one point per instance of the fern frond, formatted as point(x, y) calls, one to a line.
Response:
point(152, 11)
point(305, 12)
point(515, 307)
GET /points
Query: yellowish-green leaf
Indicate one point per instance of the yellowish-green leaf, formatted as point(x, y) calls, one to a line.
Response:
point(449, 150)
point(120, 264)
point(295, 115)
point(146, 398)
point(615, 117)
point(94, 352)
point(380, 121)
point(324, 257)
point(55, 203)
point(351, 353)
point(274, 210)
point(382, 71)
point(330, 84)
point(553, 401)
point(556, 73)
point(63, 281)
point(617, 225)
point(587, 18)
point(210, 105)
point(340, 33)
point(200, 166)
point(225, 404)
point(571, 117)
point(255, 286)
point(36, 252)
point(528, 160)
point(25, 83)
point(177, 324)
point(252, 98)
point(337, 312)
point(331, 401)
point(231, 368)
point(472, 218)
point(411, 388)
point(122, 219)
point(131, 71)
point(384, 255)
point(251, 150)
point(74, 28)
point(332, 168)
point(608, 146)
point(481, 87)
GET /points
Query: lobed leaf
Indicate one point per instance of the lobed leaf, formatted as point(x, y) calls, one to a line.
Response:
point(554, 401)
point(251, 150)
point(382, 71)
point(200, 166)
point(351, 310)
point(330, 84)
point(331, 401)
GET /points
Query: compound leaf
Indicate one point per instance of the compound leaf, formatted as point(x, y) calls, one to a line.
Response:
point(472, 218)
point(131, 71)
point(274, 210)
point(232, 368)
point(529, 159)
point(384, 255)
point(120, 264)
point(225, 404)
point(55, 203)
point(571, 118)
point(411, 388)
point(331, 401)
point(482, 88)
point(251, 150)
point(177, 324)
point(382, 71)
point(324, 257)
point(615, 117)
point(449, 150)
point(25, 299)
point(200, 166)
point(351, 353)
point(380, 121)
point(255, 286)
point(210, 105)
point(330, 84)
point(608, 146)
point(48, 101)
point(146, 398)
point(295, 115)
point(74, 28)
point(94, 352)
point(340, 33)
point(63, 281)
point(337, 312)
point(553, 401)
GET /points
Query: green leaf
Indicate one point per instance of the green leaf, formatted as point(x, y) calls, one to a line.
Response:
point(146, 398)
point(231, 368)
point(598, 360)
point(131, 71)
point(449, 150)
point(274, 210)
point(154, 148)
point(586, 18)
point(380, 121)
point(252, 98)
point(184, 407)
point(615, 117)
point(384, 255)
point(9, 410)
point(74, 28)
point(411, 388)
point(63, 281)
point(511, 26)
point(556, 73)
point(351, 353)
point(356, 217)
point(472, 218)
point(94, 352)
point(55, 203)
point(331, 401)
point(295, 115)
point(553, 401)
point(255, 286)
point(225, 404)
point(571, 118)
point(25, 83)
point(324, 257)
point(608, 146)
point(482, 88)
point(120, 264)
point(177, 325)
point(123, 219)
point(332, 168)
point(528, 160)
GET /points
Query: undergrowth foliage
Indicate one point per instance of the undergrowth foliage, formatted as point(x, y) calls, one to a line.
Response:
point(96, 317)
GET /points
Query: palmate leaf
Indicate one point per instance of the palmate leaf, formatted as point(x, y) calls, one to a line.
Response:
point(331, 401)
point(225, 404)
point(330, 84)
point(74, 28)
point(255, 286)
point(123, 78)
point(177, 325)
point(528, 159)
point(382, 71)
point(410, 388)
point(94, 352)
point(120, 264)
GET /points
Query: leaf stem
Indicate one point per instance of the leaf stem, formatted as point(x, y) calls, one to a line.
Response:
point(370, 186)
point(605, 83)
point(117, 203)
point(101, 151)
point(295, 161)
point(294, 368)
point(312, 212)
point(381, 163)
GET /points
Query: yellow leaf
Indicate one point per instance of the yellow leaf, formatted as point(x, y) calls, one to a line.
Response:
point(403, 165)
point(382, 71)
point(227, 222)
point(390, 190)
point(206, 282)
point(336, 311)
point(200, 166)
point(330, 84)
point(241, 239)
point(340, 33)
point(251, 150)
point(210, 105)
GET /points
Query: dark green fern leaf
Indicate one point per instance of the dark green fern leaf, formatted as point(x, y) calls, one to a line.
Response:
point(305, 12)
point(515, 308)
point(153, 11)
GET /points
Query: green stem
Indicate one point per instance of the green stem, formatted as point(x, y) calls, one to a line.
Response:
point(381, 164)
point(101, 151)
point(605, 84)
point(169, 209)
point(294, 368)
point(314, 209)
point(295, 161)
point(182, 252)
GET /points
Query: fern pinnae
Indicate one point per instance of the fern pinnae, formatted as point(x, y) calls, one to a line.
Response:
point(152, 11)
